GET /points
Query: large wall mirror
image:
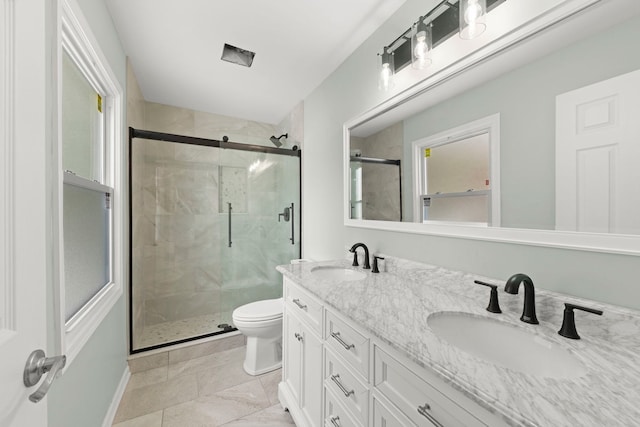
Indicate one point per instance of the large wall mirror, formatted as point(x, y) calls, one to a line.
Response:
point(566, 89)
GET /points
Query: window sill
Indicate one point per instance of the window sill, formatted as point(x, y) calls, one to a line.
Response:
point(83, 324)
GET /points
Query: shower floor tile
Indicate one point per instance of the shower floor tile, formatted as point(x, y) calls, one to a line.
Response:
point(167, 332)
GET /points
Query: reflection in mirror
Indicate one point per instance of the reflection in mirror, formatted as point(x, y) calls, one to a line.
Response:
point(376, 175)
point(456, 181)
point(457, 174)
point(523, 85)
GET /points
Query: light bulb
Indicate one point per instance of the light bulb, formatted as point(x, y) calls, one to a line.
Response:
point(473, 12)
point(421, 49)
point(472, 19)
point(385, 75)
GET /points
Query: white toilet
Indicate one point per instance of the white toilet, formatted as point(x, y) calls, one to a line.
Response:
point(261, 323)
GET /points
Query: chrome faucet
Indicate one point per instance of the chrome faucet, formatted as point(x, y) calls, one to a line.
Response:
point(355, 255)
point(512, 286)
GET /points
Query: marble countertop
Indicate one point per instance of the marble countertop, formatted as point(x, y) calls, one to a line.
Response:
point(394, 306)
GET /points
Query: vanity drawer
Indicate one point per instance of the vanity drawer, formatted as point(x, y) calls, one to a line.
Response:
point(306, 307)
point(388, 416)
point(417, 399)
point(335, 415)
point(347, 388)
point(350, 344)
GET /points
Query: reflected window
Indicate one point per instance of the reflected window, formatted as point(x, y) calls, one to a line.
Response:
point(457, 178)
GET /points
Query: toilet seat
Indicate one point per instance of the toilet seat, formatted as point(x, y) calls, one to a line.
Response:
point(259, 311)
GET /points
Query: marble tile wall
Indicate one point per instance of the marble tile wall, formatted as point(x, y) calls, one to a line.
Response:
point(135, 118)
point(183, 121)
point(180, 188)
point(381, 183)
point(182, 265)
point(293, 125)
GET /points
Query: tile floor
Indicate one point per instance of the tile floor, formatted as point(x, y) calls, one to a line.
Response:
point(201, 386)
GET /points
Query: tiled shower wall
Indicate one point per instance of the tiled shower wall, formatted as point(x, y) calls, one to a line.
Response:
point(182, 267)
point(135, 119)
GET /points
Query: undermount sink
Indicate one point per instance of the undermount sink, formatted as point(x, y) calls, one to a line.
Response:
point(505, 345)
point(340, 274)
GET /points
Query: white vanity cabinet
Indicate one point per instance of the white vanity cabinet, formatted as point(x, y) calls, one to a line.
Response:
point(336, 374)
point(301, 388)
point(416, 398)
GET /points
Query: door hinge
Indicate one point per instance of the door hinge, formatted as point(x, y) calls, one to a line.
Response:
point(107, 200)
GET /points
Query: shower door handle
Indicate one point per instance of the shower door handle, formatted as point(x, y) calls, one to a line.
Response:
point(229, 205)
point(293, 225)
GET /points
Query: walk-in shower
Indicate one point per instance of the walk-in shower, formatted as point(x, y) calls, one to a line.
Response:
point(210, 220)
point(376, 189)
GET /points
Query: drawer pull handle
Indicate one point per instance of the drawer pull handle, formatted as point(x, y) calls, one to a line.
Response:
point(336, 379)
point(422, 410)
point(297, 302)
point(298, 337)
point(336, 335)
point(335, 421)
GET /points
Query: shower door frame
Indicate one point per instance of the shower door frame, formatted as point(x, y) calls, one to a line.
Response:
point(213, 143)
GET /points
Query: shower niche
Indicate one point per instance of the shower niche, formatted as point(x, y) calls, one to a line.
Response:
point(206, 232)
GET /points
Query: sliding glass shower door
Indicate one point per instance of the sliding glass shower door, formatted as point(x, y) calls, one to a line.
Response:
point(259, 195)
point(209, 226)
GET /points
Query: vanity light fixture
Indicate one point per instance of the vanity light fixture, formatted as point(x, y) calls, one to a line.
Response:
point(385, 70)
point(421, 45)
point(472, 18)
point(414, 46)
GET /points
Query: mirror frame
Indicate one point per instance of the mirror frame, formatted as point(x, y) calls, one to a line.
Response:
point(569, 14)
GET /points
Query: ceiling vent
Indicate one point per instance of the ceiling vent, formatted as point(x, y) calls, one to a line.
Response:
point(236, 55)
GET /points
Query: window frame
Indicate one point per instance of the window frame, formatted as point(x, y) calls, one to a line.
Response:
point(489, 125)
point(75, 38)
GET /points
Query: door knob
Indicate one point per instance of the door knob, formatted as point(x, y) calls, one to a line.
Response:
point(37, 365)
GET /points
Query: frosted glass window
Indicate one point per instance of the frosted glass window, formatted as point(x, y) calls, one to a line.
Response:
point(87, 231)
point(82, 123)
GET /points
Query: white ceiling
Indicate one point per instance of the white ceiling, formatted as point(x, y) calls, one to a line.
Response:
point(175, 47)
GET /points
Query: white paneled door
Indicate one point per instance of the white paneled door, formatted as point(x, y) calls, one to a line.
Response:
point(598, 157)
point(24, 223)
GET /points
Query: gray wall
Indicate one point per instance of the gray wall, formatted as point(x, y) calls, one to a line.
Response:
point(351, 90)
point(525, 99)
point(82, 396)
point(346, 93)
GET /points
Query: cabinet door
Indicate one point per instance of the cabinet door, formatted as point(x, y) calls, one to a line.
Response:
point(293, 355)
point(311, 402)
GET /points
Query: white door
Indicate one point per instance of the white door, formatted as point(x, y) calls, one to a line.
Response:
point(25, 241)
point(597, 157)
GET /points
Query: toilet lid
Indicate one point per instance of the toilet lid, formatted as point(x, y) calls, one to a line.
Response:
point(260, 310)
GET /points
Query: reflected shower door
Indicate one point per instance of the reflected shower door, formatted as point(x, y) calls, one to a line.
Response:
point(263, 227)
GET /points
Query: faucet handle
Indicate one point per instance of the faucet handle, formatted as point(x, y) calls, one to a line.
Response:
point(494, 306)
point(375, 264)
point(568, 328)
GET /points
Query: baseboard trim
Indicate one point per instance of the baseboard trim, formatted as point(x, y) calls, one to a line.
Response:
point(117, 397)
